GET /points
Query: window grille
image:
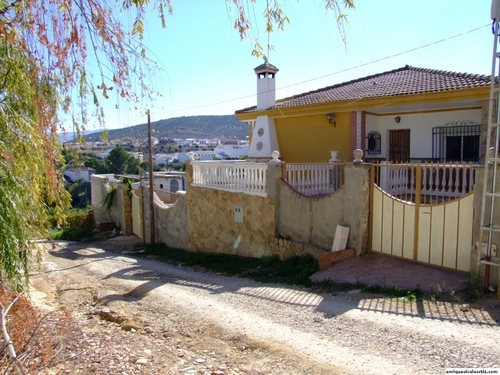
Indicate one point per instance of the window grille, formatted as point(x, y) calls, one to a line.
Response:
point(457, 141)
point(373, 143)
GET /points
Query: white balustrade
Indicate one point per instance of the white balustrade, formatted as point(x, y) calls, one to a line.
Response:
point(237, 176)
point(314, 180)
point(438, 181)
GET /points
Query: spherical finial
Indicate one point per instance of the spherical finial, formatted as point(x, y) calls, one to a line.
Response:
point(190, 155)
point(358, 154)
point(276, 155)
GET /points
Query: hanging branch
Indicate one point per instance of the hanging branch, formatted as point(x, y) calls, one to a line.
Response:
point(6, 338)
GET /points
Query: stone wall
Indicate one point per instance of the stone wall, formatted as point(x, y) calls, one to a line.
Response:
point(282, 223)
point(124, 209)
point(214, 226)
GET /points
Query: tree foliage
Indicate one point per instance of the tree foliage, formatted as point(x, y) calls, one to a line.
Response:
point(120, 162)
point(29, 160)
point(80, 191)
point(46, 49)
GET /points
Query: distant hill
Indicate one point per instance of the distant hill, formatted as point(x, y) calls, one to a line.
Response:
point(69, 136)
point(221, 127)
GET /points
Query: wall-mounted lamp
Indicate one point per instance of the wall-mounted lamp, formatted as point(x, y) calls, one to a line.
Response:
point(331, 119)
point(397, 119)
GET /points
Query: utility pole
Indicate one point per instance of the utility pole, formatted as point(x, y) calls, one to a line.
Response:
point(151, 189)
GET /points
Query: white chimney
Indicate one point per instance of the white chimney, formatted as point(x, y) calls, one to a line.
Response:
point(266, 85)
point(264, 139)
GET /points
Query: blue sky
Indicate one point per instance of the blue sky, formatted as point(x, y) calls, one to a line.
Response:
point(209, 71)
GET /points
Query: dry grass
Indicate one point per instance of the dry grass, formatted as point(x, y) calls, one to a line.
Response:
point(37, 339)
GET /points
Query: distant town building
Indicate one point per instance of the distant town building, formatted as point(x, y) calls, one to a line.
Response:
point(169, 181)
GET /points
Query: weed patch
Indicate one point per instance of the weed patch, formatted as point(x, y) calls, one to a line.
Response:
point(72, 234)
point(292, 271)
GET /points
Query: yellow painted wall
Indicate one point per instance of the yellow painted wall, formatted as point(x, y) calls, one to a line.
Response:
point(311, 138)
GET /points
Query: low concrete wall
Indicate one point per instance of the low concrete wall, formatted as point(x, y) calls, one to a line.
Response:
point(121, 210)
point(172, 225)
point(98, 193)
point(309, 220)
point(314, 221)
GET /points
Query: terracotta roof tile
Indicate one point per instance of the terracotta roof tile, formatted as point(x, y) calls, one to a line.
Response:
point(266, 66)
point(403, 81)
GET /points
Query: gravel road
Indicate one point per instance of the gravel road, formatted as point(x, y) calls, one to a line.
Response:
point(186, 322)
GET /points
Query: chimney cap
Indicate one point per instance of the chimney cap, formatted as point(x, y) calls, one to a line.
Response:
point(266, 67)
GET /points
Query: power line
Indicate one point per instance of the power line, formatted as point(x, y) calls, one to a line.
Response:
point(389, 57)
point(334, 73)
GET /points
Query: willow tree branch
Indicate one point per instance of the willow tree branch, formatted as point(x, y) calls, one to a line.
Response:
point(11, 351)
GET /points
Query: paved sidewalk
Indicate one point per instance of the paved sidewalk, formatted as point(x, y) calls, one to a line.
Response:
point(381, 270)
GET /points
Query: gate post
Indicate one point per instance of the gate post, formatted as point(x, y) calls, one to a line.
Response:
point(125, 205)
point(418, 201)
point(357, 205)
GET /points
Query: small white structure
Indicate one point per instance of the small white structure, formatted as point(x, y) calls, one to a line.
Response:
point(169, 181)
point(75, 174)
point(232, 151)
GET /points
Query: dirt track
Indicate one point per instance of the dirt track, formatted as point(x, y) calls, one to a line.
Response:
point(183, 322)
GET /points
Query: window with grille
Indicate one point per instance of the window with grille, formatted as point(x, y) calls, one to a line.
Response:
point(373, 143)
point(457, 141)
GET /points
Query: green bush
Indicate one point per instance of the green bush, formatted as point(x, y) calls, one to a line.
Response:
point(78, 225)
point(80, 219)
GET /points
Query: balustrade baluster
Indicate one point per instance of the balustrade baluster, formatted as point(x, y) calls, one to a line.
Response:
point(455, 182)
point(308, 175)
point(315, 180)
point(250, 178)
point(300, 177)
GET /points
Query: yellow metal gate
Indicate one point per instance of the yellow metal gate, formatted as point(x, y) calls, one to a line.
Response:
point(423, 213)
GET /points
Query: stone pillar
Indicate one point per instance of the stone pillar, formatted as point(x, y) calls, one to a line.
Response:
point(124, 202)
point(188, 174)
point(357, 205)
point(273, 175)
point(146, 222)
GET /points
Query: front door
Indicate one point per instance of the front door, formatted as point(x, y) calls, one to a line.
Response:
point(399, 146)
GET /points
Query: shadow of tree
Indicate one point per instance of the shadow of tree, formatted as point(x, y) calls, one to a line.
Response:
point(151, 275)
